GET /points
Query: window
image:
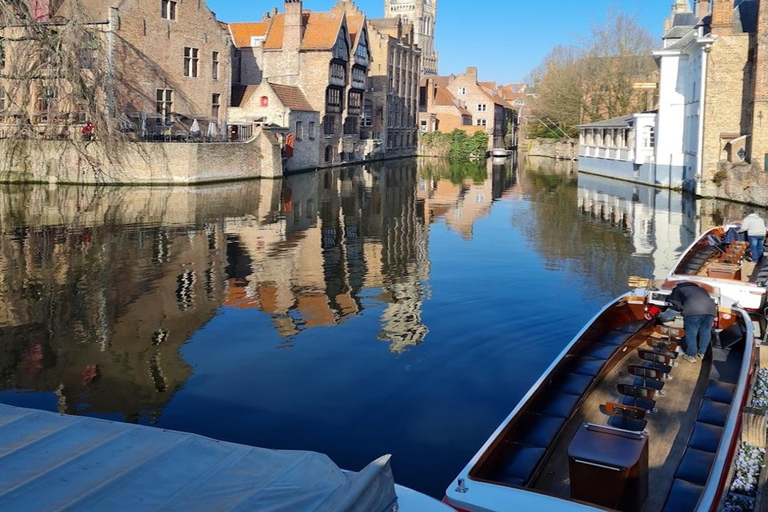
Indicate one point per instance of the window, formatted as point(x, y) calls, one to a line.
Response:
point(2, 52)
point(482, 107)
point(46, 99)
point(462, 91)
point(311, 131)
point(329, 125)
point(215, 105)
point(299, 130)
point(3, 100)
point(424, 126)
point(168, 9)
point(264, 102)
point(481, 122)
point(191, 61)
point(164, 105)
point(368, 116)
point(215, 65)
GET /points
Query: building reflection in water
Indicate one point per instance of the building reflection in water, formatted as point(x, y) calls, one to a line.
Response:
point(103, 286)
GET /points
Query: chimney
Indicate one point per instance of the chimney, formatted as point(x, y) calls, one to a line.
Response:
point(702, 8)
point(293, 25)
point(722, 17)
point(472, 73)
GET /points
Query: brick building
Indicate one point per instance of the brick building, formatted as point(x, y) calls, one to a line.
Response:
point(285, 111)
point(326, 56)
point(422, 14)
point(170, 60)
point(480, 101)
point(391, 108)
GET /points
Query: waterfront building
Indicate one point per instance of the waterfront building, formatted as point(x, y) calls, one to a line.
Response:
point(440, 111)
point(166, 67)
point(480, 102)
point(622, 148)
point(391, 110)
point(422, 15)
point(712, 99)
point(323, 54)
point(285, 111)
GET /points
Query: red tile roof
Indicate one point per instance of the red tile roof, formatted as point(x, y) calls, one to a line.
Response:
point(321, 30)
point(243, 32)
point(292, 97)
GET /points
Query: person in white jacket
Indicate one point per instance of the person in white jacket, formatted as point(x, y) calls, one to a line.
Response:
point(755, 228)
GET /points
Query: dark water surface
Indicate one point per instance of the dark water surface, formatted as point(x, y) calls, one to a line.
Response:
point(402, 308)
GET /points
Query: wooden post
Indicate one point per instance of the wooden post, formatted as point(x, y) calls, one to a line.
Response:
point(753, 427)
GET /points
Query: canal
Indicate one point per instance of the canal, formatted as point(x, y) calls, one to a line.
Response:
point(400, 308)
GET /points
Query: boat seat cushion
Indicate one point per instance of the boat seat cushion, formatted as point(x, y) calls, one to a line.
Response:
point(538, 429)
point(587, 366)
point(683, 497)
point(632, 327)
point(616, 338)
point(519, 463)
point(713, 413)
point(600, 351)
point(719, 392)
point(706, 437)
point(574, 384)
point(731, 336)
point(559, 405)
point(695, 466)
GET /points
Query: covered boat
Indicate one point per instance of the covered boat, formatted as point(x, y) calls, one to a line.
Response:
point(614, 424)
point(55, 462)
point(719, 258)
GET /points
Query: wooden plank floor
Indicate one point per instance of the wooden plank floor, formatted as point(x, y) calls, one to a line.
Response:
point(669, 428)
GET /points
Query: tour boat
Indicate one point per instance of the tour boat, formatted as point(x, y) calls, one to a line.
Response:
point(712, 260)
point(614, 424)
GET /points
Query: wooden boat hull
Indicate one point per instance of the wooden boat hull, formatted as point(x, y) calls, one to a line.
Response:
point(476, 490)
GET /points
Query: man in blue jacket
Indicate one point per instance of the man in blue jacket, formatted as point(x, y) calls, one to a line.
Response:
point(699, 312)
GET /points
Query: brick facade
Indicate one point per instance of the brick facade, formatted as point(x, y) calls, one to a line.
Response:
point(422, 14)
point(392, 106)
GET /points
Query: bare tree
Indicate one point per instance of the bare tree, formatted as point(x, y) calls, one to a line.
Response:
point(56, 83)
point(593, 80)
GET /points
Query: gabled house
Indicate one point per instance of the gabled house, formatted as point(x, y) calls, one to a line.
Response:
point(326, 55)
point(285, 111)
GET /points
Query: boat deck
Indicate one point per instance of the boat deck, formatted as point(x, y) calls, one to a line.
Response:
point(669, 426)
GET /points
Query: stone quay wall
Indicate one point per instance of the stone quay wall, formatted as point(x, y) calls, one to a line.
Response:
point(550, 148)
point(138, 163)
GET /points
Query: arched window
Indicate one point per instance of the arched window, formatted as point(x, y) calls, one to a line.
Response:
point(264, 102)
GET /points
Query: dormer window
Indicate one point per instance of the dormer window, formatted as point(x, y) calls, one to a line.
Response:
point(168, 9)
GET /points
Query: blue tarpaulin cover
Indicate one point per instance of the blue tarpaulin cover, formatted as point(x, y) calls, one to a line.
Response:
point(52, 462)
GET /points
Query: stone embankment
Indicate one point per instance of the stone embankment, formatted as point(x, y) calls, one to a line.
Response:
point(138, 163)
point(741, 183)
point(551, 148)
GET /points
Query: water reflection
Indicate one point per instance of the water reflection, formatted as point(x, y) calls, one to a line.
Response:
point(313, 312)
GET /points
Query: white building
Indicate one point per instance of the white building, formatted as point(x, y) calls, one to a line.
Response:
point(621, 148)
point(682, 63)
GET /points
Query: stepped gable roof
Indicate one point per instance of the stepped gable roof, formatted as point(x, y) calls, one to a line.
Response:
point(292, 97)
point(243, 32)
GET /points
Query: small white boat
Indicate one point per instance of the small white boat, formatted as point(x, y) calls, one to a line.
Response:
point(500, 152)
point(594, 432)
point(715, 260)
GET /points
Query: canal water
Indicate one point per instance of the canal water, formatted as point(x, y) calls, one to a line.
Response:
point(401, 308)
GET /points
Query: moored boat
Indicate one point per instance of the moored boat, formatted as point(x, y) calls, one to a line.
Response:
point(613, 424)
point(719, 258)
point(56, 462)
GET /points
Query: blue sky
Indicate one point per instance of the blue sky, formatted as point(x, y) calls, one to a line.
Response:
point(505, 39)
